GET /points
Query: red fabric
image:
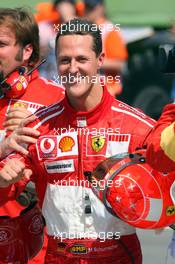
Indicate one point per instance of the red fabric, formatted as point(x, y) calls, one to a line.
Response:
point(63, 154)
point(22, 236)
point(127, 248)
point(41, 255)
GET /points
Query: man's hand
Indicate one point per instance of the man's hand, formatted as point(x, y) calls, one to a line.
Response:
point(14, 117)
point(21, 135)
point(12, 172)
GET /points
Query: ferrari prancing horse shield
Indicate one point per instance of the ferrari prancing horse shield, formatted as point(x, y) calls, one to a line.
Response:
point(98, 143)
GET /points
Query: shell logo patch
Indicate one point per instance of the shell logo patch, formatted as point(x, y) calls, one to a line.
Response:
point(66, 144)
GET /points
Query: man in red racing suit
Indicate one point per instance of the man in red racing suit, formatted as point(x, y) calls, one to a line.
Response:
point(66, 152)
point(161, 146)
point(39, 91)
point(76, 134)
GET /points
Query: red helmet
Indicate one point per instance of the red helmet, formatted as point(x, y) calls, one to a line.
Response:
point(136, 193)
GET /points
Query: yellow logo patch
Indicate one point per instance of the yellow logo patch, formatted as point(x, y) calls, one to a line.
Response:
point(66, 144)
point(98, 143)
point(20, 104)
point(170, 210)
point(78, 249)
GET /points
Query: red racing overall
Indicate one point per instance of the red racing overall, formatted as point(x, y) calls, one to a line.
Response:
point(70, 147)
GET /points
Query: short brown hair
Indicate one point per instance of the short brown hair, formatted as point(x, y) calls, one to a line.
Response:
point(81, 27)
point(25, 28)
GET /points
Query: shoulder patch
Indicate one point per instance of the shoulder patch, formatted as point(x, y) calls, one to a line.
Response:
point(48, 109)
point(48, 113)
point(133, 112)
point(131, 109)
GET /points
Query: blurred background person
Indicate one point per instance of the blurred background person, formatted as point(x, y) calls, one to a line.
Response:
point(49, 16)
point(113, 45)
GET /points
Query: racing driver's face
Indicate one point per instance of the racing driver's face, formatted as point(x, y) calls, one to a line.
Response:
point(77, 64)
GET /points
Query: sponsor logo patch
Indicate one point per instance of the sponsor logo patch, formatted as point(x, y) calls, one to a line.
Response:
point(47, 147)
point(133, 110)
point(117, 144)
point(37, 225)
point(95, 145)
point(55, 146)
point(66, 144)
point(61, 247)
point(98, 143)
point(170, 210)
point(78, 249)
point(5, 235)
point(60, 166)
point(30, 106)
point(107, 145)
point(81, 122)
